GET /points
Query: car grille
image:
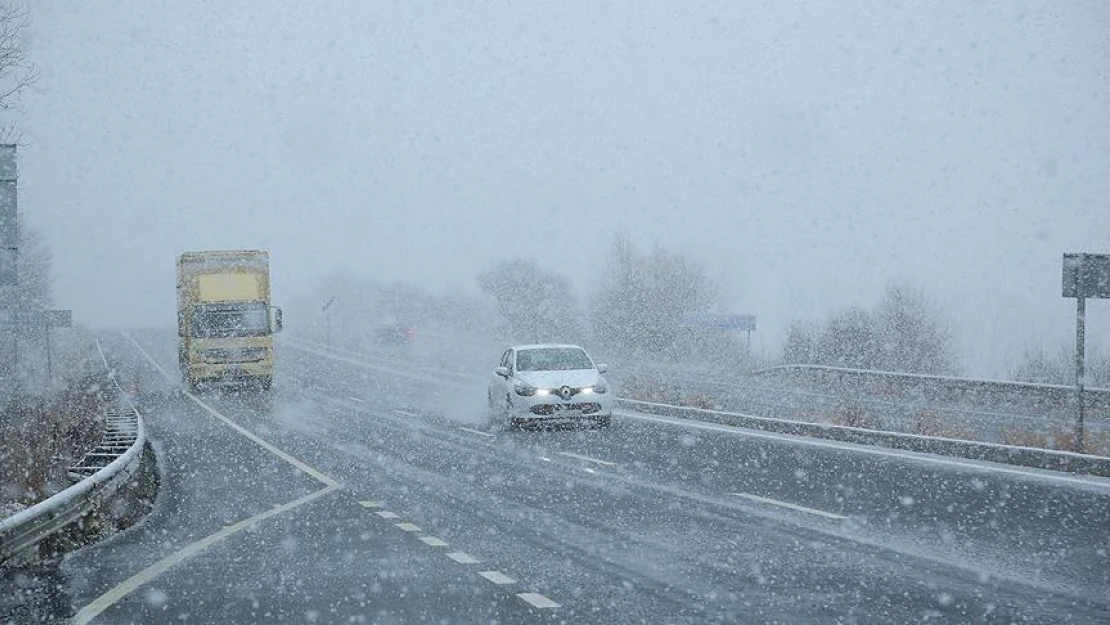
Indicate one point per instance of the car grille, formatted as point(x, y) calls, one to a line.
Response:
point(550, 409)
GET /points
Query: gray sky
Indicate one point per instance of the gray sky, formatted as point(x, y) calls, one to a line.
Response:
point(807, 152)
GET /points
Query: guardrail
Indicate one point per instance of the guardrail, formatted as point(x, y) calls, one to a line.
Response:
point(100, 473)
point(991, 452)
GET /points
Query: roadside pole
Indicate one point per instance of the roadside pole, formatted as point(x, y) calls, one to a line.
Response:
point(1080, 349)
point(1085, 275)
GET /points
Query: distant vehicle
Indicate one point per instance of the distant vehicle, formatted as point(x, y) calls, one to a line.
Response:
point(394, 334)
point(224, 319)
point(549, 384)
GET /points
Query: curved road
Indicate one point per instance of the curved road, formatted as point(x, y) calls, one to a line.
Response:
point(366, 491)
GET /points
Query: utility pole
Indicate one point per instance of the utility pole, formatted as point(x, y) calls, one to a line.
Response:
point(9, 270)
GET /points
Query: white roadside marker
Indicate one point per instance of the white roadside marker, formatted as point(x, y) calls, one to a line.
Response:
point(538, 600)
point(386, 514)
point(497, 577)
point(791, 506)
point(604, 463)
point(462, 557)
point(478, 432)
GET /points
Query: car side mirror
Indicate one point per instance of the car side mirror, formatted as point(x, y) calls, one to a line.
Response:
point(602, 368)
point(502, 371)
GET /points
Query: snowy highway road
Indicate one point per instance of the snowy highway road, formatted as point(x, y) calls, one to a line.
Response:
point(357, 494)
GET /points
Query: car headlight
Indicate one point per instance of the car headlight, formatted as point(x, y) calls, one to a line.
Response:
point(524, 390)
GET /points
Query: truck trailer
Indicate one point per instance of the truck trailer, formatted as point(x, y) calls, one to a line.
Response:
point(225, 319)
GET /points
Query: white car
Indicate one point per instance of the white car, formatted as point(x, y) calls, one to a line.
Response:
point(549, 384)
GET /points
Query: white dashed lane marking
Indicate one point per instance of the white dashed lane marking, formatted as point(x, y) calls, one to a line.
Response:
point(497, 577)
point(386, 514)
point(478, 432)
point(369, 504)
point(604, 463)
point(538, 600)
point(357, 400)
point(432, 541)
point(408, 527)
point(405, 413)
point(462, 557)
point(791, 506)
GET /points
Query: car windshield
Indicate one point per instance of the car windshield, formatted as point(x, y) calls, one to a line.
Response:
point(552, 359)
point(231, 320)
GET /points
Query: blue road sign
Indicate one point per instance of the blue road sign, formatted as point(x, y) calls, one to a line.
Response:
point(718, 321)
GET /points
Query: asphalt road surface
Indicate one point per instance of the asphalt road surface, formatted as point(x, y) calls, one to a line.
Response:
point(362, 491)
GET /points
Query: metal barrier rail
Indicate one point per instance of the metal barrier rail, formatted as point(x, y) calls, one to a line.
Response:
point(100, 475)
point(992, 452)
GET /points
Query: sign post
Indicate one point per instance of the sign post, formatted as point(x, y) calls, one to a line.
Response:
point(327, 321)
point(1085, 275)
point(49, 319)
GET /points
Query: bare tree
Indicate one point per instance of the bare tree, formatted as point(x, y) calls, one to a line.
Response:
point(17, 72)
point(1059, 368)
point(536, 304)
point(904, 332)
point(642, 303)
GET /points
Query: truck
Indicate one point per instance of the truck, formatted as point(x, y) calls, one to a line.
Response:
point(225, 320)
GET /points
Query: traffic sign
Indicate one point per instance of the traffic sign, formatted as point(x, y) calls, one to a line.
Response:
point(719, 321)
point(1087, 275)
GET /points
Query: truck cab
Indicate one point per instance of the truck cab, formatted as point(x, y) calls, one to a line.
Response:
point(225, 319)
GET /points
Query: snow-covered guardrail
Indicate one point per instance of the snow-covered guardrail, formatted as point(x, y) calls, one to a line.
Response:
point(991, 452)
point(101, 473)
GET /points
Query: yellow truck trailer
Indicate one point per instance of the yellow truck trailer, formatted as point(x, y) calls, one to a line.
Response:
point(225, 319)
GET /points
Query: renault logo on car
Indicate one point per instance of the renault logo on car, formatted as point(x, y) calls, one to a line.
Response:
point(565, 392)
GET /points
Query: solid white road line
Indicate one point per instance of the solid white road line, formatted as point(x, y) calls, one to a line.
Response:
point(478, 432)
point(462, 557)
point(982, 467)
point(302, 467)
point(497, 577)
point(538, 600)
point(604, 463)
point(408, 527)
point(121, 590)
point(386, 514)
point(791, 506)
point(432, 541)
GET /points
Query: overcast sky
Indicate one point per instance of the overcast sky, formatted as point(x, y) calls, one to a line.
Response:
point(807, 152)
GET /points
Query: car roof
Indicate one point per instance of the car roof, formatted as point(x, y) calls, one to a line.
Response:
point(546, 346)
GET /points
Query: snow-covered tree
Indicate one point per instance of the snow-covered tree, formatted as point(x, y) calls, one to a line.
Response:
point(645, 296)
point(534, 303)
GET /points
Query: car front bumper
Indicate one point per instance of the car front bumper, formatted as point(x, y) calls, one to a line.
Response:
point(554, 408)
